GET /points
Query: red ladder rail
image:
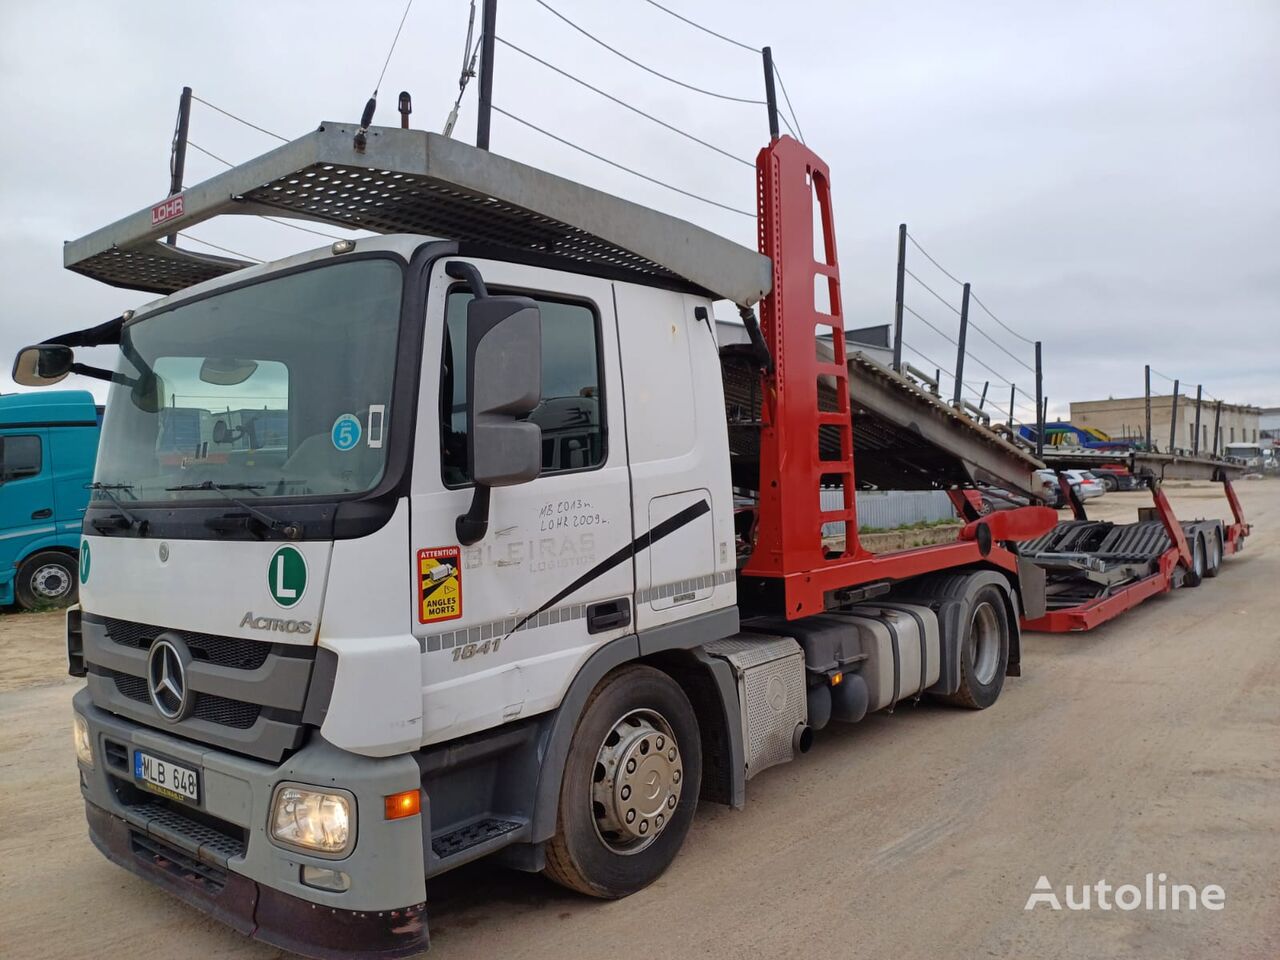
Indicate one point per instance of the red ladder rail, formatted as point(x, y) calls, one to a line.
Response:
point(790, 567)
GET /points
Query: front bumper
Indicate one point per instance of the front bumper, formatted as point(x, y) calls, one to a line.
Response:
point(218, 857)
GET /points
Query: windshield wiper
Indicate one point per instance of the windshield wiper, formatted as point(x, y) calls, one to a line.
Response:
point(127, 520)
point(289, 529)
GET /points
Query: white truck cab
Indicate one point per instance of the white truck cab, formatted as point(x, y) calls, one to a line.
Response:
point(407, 551)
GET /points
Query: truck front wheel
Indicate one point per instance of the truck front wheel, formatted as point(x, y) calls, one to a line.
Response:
point(46, 579)
point(630, 785)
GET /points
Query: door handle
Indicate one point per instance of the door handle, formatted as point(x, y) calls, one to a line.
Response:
point(44, 514)
point(608, 615)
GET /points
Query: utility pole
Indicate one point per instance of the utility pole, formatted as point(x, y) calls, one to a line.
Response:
point(178, 154)
point(897, 303)
point(488, 24)
point(964, 330)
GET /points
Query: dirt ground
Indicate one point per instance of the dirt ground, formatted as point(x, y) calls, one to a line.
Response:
point(1149, 745)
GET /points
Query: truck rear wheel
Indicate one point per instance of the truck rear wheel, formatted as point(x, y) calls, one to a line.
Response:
point(1195, 576)
point(46, 579)
point(984, 652)
point(630, 785)
point(1213, 561)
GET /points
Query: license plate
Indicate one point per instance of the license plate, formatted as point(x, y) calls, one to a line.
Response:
point(166, 777)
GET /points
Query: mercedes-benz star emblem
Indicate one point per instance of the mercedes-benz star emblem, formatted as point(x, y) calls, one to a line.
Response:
point(167, 679)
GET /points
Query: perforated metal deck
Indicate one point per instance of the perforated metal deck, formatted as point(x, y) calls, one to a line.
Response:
point(411, 181)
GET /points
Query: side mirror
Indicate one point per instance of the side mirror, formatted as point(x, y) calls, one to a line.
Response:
point(42, 365)
point(504, 384)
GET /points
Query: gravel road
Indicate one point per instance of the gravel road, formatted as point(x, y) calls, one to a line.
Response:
point(1149, 745)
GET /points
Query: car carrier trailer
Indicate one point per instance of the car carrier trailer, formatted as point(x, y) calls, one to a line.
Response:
point(1096, 570)
point(448, 568)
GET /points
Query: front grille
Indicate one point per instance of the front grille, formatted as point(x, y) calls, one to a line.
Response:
point(231, 652)
point(215, 709)
point(248, 696)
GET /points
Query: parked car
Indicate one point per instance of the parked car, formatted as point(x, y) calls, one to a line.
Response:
point(48, 443)
point(1086, 485)
point(1115, 476)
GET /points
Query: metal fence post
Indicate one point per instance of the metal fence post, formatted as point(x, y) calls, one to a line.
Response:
point(1040, 404)
point(897, 303)
point(1217, 416)
point(1013, 392)
point(1148, 396)
point(178, 154)
point(1195, 444)
point(1173, 420)
point(770, 96)
point(488, 25)
point(964, 330)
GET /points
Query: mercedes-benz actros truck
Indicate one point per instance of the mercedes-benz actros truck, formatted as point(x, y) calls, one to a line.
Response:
point(429, 546)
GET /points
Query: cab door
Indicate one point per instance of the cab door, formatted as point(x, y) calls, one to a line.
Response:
point(26, 492)
point(506, 622)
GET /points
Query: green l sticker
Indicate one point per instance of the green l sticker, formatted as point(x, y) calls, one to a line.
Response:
point(287, 576)
point(84, 561)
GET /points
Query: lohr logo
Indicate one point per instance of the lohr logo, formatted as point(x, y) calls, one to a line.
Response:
point(287, 576)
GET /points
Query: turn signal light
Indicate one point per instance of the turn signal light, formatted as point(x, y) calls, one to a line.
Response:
point(400, 805)
point(837, 679)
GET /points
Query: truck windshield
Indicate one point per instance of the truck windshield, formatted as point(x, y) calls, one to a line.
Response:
point(277, 389)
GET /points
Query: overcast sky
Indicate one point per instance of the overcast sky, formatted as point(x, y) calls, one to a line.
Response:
point(1105, 174)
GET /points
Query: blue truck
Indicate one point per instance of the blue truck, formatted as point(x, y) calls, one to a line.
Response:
point(48, 444)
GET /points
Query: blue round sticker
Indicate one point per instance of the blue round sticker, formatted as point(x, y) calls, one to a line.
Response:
point(346, 432)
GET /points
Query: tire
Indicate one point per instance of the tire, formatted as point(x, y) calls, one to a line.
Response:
point(1195, 576)
point(596, 849)
point(1213, 561)
point(46, 579)
point(984, 652)
point(1109, 483)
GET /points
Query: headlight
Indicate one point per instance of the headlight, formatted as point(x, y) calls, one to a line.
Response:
point(322, 823)
point(84, 746)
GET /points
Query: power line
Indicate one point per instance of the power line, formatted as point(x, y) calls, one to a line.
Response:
point(394, 40)
point(1008, 329)
point(744, 46)
point(939, 296)
point(614, 163)
point(623, 103)
point(228, 113)
point(283, 223)
point(234, 253)
point(949, 274)
point(777, 73)
point(973, 296)
point(208, 153)
point(634, 62)
point(699, 26)
point(999, 345)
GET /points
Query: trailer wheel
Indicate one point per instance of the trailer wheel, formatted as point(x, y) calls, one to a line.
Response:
point(46, 579)
point(1109, 483)
point(1213, 564)
point(984, 652)
point(630, 785)
point(1195, 576)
